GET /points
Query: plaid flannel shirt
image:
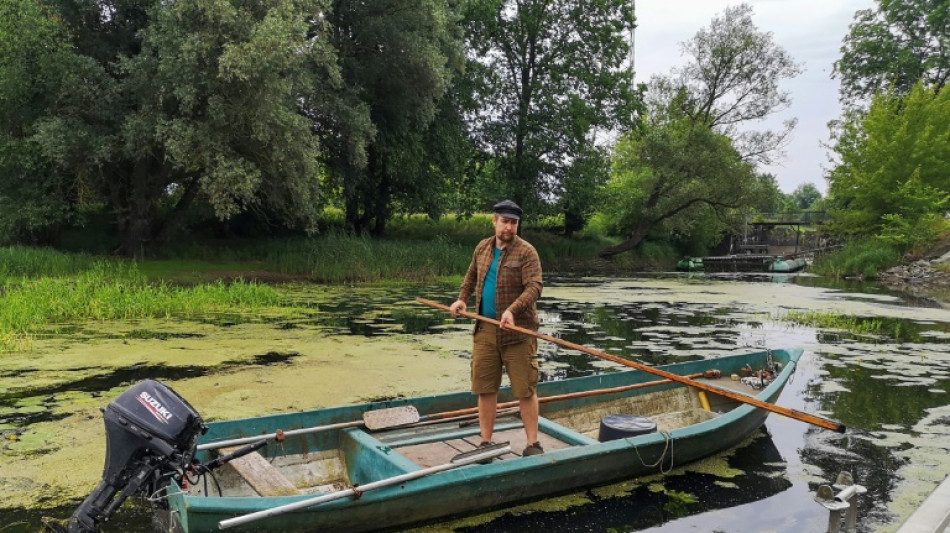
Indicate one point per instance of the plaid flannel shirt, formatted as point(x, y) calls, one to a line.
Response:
point(517, 288)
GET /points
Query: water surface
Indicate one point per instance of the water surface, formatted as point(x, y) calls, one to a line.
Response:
point(358, 343)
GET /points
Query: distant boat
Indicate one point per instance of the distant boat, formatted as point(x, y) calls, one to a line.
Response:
point(788, 265)
point(690, 264)
point(656, 425)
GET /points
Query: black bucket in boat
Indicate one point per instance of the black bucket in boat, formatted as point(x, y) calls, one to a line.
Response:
point(614, 427)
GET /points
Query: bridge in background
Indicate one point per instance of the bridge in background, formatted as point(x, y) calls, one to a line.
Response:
point(762, 247)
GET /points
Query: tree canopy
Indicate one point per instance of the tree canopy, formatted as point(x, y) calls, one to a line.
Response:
point(731, 79)
point(673, 173)
point(160, 114)
point(692, 160)
point(894, 171)
point(804, 196)
point(893, 47)
point(164, 103)
point(397, 59)
point(35, 56)
point(547, 75)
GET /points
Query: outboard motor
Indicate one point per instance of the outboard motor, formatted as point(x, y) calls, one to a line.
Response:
point(151, 433)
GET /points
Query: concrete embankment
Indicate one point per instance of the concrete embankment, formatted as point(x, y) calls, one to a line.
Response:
point(933, 516)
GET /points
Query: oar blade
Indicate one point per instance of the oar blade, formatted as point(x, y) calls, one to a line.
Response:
point(391, 417)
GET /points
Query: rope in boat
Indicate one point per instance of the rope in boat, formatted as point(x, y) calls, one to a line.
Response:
point(158, 496)
point(667, 445)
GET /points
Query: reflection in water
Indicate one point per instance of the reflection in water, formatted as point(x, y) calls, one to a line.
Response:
point(643, 506)
point(885, 398)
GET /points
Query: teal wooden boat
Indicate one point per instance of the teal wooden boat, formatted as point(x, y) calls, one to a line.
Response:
point(688, 426)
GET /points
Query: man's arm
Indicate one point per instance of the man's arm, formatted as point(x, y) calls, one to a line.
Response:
point(468, 286)
point(531, 283)
point(530, 280)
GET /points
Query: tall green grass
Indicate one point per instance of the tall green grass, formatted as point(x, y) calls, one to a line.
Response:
point(830, 320)
point(343, 258)
point(420, 227)
point(865, 258)
point(22, 261)
point(340, 258)
point(111, 290)
point(417, 248)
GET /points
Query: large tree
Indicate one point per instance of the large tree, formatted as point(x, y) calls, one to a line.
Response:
point(397, 59)
point(731, 79)
point(170, 102)
point(547, 75)
point(804, 196)
point(893, 47)
point(35, 55)
point(696, 115)
point(673, 174)
point(894, 171)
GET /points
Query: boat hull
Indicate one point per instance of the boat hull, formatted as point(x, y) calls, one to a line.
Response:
point(788, 265)
point(583, 463)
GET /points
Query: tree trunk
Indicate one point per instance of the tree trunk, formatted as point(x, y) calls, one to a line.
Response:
point(639, 233)
point(381, 207)
point(352, 209)
point(165, 227)
point(135, 196)
point(524, 177)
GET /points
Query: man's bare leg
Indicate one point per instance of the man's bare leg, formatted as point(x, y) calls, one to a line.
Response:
point(487, 405)
point(529, 415)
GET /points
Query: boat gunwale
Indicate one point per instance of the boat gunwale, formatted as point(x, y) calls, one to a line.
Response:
point(571, 454)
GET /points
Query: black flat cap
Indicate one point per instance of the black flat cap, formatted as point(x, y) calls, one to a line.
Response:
point(507, 208)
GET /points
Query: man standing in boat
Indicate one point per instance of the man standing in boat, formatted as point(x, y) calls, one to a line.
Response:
point(505, 277)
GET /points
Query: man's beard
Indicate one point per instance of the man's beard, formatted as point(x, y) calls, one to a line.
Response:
point(506, 237)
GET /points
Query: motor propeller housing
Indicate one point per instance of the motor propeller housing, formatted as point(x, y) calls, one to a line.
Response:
point(151, 432)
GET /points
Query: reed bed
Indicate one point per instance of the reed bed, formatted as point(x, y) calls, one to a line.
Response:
point(341, 258)
point(865, 258)
point(347, 259)
point(416, 249)
point(829, 320)
point(23, 261)
point(115, 290)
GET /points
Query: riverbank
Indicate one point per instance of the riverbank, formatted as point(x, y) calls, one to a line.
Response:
point(924, 278)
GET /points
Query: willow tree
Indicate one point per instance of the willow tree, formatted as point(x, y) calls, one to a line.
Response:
point(701, 113)
point(180, 101)
point(673, 175)
point(732, 79)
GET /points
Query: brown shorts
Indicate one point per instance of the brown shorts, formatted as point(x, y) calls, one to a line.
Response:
point(519, 360)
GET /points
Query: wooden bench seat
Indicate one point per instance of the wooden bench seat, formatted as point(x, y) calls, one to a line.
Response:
point(261, 475)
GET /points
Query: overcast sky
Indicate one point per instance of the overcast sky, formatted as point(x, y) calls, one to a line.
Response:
point(810, 30)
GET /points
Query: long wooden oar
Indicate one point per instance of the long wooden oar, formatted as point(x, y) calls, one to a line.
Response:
point(791, 413)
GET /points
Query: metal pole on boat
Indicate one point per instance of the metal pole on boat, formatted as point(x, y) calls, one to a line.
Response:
point(395, 480)
point(288, 433)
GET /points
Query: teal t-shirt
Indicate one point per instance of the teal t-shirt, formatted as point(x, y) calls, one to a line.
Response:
point(488, 289)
